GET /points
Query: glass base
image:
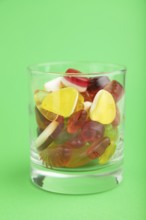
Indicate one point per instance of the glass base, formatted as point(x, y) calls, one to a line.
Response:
point(70, 182)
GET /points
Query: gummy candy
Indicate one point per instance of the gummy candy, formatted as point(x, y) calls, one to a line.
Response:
point(103, 108)
point(98, 148)
point(59, 128)
point(56, 156)
point(80, 103)
point(116, 89)
point(75, 142)
point(79, 83)
point(76, 121)
point(111, 132)
point(53, 85)
point(46, 133)
point(41, 120)
point(88, 96)
point(97, 83)
point(39, 97)
point(116, 121)
point(91, 130)
point(61, 102)
point(104, 158)
point(71, 70)
point(87, 105)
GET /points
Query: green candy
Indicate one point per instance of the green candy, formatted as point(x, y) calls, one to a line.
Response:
point(111, 132)
point(104, 158)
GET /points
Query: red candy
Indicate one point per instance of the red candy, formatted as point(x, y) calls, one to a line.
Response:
point(116, 121)
point(98, 148)
point(76, 121)
point(76, 142)
point(92, 130)
point(116, 89)
point(71, 70)
point(97, 83)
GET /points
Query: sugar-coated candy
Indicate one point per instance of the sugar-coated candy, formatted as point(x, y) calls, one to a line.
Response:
point(41, 120)
point(56, 156)
point(91, 131)
point(71, 70)
point(117, 119)
point(116, 89)
point(61, 102)
point(46, 133)
point(97, 83)
point(76, 121)
point(111, 132)
point(53, 84)
point(79, 83)
point(39, 97)
point(98, 148)
point(104, 158)
point(103, 108)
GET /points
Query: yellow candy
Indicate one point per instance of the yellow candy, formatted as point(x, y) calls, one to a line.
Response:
point(107, 154)
point(103, 108)
point(61, 102)
point(38, 97)
point(80, 103)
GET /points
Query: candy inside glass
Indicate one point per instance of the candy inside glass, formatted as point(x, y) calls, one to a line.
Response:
point(76, 126)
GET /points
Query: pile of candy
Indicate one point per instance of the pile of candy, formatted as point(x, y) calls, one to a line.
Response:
point(77, 120)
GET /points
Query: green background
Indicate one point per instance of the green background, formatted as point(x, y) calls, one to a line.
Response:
point(33, 31)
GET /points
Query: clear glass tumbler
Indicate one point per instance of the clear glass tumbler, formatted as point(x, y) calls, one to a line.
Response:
point(76, 126)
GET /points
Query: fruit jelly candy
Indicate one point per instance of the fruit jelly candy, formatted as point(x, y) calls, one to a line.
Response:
point(39, 97)
point(59, 128)
point(71, 70)
point(88, 96)
point(41, 120)
point(61, 102)
point(76, 121)
point(53, 84)
point(80, 83)
point(80, 103)
point(56, 156)
point(75, 142)
point(91, 130)
point(97, 83)
point(63, 137)
point(103, 108)
point(98, 148)
point(117, 119)
point(104, 158)
point(78, 158)
point(116, 89)
point(111, 132)
point(46, 134)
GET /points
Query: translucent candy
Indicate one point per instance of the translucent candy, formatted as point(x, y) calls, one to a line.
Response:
point(104, 158)
point(117, 119)
point(116, 89)
point(41, 120)
point(39, 97)
point(56, 156)
point(61, 102)
point(75, 142)
point(88, 96)
point(103, 108)
point(111, 132)
point(59, 128)
point(76, 121)
point(43, 137)
point(80, 103)
point(79, 83)
point(98, 148)
point(91, 131)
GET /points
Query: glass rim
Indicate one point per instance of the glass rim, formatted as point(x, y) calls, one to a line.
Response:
point(34, 68)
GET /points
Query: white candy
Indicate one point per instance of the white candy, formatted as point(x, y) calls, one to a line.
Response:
point(46, 133)
point(53, 85)
point(87, 105)
point(67, 83)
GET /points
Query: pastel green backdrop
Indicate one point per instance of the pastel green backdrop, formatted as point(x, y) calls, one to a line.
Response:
point(37, 31)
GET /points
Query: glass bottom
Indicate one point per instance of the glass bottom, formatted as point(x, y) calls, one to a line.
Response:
point(71, 182)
